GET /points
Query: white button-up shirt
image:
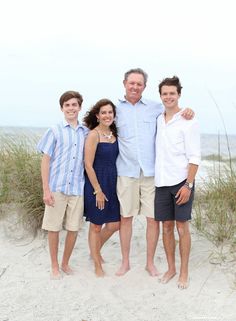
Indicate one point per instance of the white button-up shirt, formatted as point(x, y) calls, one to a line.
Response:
point(136, 125)
point(177, 145)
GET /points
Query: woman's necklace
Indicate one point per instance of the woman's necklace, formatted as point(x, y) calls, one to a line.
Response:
point(107, 136)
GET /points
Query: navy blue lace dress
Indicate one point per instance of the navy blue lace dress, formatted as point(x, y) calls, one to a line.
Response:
point(105, 169)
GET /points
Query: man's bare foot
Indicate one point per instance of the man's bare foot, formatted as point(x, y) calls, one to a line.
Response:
point(167, 277)
point(152, 270)
point(99, 271)
point(67, 270)
point(55, 274)
point(183, 282)
point(122, 270)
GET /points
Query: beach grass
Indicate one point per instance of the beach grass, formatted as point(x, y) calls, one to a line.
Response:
point(215, 205)
point(20, 179)
point(214, 212)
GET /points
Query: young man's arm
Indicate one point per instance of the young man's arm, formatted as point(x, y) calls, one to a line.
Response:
point(184, 192)
point(47, 195)
point(193, 154)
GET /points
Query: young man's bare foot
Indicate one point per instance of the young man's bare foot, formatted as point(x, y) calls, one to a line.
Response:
point(183, 282)
point(122, 270)
point(152, 270)
point(167, 277)
point(67, 270)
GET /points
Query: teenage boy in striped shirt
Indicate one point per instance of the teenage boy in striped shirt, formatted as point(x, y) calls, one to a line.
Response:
point(62, 172)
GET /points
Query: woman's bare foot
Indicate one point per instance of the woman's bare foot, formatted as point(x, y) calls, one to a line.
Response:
point(99, 271)
point(152, 270)
point(183, 282)
point(167, 277)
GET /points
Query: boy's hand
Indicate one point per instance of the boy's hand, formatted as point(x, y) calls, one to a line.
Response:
point(48, 199)
point(188, 113)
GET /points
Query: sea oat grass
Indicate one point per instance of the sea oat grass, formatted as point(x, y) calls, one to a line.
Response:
point(215, 206)
point(20, 178)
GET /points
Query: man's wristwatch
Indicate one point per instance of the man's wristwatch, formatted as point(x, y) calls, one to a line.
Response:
point(189, 185)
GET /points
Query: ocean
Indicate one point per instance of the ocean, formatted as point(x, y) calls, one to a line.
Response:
point(212, 145)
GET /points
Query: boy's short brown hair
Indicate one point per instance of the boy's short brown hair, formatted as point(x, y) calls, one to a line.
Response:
point(70, 94)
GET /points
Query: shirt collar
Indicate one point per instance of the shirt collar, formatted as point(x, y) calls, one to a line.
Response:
point(142, 100)
point(66, 124)
point(175, 116)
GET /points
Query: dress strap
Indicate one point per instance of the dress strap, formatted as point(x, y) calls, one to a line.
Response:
point(97, 134)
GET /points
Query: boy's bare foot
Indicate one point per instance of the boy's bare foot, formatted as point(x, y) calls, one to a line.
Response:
point(167, 277)
point(123, 269)
point(55, 274)
point(152, 270)
point(67, 270)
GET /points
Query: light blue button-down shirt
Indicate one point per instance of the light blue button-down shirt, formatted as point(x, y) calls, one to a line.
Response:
point(136, 126)
point(65, 146)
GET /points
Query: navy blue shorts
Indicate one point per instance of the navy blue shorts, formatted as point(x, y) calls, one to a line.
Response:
point(166, 208)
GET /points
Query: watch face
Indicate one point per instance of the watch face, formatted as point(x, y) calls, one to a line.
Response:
point(190, 185)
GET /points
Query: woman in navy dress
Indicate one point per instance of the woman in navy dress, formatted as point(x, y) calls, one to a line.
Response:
point(100, 199)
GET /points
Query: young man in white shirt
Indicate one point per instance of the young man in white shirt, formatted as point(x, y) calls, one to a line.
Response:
point(177, 160)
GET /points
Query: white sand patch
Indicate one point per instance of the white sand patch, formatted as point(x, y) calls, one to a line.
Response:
point(28, 294)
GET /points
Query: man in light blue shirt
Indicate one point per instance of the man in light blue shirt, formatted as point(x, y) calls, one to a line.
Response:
point(136, 124)
point(62, 171)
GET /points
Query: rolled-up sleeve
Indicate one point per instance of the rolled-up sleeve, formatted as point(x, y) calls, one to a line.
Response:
point(192, 143)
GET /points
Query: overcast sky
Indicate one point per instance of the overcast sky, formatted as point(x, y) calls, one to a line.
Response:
point(50, 46)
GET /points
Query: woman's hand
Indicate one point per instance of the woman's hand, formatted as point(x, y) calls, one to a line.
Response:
point(100, 200)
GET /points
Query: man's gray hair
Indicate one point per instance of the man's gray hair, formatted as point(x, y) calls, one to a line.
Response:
point(137, 71)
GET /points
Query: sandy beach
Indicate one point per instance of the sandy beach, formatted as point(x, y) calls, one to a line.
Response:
point(28, 294)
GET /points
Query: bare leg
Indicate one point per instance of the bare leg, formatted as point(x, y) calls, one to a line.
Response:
point(108, 230)
point(125, 239)
point(152, 235)
point(53, 240)
point(95, 246)
point(169, 246)
point(184, 248)
point(69, 246)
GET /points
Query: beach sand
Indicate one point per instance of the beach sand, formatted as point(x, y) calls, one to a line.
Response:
point(28, 294)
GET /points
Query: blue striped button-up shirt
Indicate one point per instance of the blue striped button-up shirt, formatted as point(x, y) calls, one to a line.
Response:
point(136, 126)
point(65, 146)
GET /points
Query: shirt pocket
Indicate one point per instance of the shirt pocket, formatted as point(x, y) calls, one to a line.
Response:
point(150, 126)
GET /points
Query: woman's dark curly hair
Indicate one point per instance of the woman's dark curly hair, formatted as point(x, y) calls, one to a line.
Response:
point(90, 119)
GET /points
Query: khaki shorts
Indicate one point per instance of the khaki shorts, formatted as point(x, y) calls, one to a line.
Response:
point(67, 212)
point(136, 195)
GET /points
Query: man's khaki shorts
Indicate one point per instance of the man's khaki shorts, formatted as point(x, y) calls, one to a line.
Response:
point(67, 212)
point(136, 195)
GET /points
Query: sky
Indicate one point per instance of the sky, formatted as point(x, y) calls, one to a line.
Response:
point(50, 46)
